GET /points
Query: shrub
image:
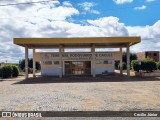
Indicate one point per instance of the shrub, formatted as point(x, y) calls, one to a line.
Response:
point(148, 65)
point(15, 71)
point(117, 65)
point(124, 66)
point(7, 71)
point(135, 65)
point(158, 65)
point(1, 72)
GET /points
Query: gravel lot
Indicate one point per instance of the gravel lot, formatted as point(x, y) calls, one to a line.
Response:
point(80, 94)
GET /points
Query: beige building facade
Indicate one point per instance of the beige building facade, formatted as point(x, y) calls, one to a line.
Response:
point(155, 55)
point(63, 63)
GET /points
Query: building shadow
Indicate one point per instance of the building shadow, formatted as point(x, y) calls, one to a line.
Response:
point(84, 79)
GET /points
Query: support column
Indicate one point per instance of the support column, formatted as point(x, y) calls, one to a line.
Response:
point(121, 67)
point(26, 62)
point(93, 60)
point(34, 63)
point(61, 62)
point(128, 61)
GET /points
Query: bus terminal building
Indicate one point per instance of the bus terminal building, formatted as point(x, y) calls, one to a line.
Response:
point(63, 63)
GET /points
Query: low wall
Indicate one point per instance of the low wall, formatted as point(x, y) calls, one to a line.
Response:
point(151, 74)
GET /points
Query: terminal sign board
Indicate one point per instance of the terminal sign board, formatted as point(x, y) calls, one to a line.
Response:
point(77, 56)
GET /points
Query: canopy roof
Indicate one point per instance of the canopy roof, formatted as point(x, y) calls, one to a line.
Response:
point(76, 42)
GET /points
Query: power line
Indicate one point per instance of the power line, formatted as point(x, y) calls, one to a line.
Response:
point(14, 4)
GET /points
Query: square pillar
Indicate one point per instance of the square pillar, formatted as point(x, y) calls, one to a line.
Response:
point(128, 61)
point(121, 56)
point(34, 63)
point(93, 60)
point(61, 62)
point(26, 62)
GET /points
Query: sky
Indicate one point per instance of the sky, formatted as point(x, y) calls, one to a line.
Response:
point(78, 18)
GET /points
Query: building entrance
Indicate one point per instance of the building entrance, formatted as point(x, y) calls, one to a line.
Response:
point(77, 67)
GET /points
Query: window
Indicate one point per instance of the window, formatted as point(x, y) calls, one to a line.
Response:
point(155, 54)
point(99, 62)
point(108, 62)
point(104, 62)
point(56, 62)
point(47, 62)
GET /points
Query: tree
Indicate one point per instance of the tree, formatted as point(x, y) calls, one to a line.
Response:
point(133, 56)
point(30, 64)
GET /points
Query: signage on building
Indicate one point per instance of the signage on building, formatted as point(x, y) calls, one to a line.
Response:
point(77, 56)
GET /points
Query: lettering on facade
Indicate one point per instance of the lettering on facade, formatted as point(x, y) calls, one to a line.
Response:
point(77, 56)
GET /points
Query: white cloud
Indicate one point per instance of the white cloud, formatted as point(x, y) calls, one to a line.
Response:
point(51, 22)
point(140, 8)
point(29, 22)
point(67, 3)
point(87, 7)
point(122, 1)
point(110, 26)
point(150, 36)
point(146, 32)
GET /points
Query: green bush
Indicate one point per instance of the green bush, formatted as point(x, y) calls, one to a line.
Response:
point(135, 65)
point(7, 71)
point(158, 65)
point(1, 72)
point(124, 66)
point(148, 65)
point(15, 71)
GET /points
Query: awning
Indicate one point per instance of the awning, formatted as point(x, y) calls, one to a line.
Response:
point(77, 42)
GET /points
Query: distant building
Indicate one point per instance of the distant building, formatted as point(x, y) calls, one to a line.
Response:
point(155, 55)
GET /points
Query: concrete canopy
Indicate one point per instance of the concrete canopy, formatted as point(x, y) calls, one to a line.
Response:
point(77, 42)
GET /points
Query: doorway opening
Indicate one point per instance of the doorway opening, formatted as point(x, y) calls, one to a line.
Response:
point(77, 67)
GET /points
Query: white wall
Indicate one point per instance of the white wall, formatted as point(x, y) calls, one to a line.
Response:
point(50, 70)
point(100, 68)
point(45, 71)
